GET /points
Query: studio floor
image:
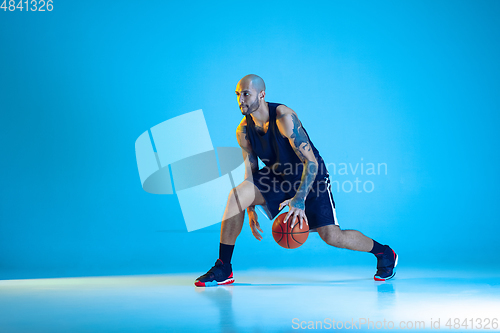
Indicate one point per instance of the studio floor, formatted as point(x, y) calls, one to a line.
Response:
point(341, 298)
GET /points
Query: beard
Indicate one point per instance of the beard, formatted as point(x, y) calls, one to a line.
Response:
point(250, 108)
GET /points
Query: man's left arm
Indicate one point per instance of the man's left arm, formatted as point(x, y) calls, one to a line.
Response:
point(290, 126)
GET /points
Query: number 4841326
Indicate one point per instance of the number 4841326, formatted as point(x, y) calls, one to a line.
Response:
point(27, 5)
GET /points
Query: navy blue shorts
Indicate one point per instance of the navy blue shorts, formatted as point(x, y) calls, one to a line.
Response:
point(320, 206)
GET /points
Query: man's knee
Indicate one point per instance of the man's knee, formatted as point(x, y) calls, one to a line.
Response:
point(332, 235)
point(245, 195)
point(233, 199)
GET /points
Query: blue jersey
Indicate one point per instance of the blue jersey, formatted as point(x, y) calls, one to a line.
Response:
point(276, 152)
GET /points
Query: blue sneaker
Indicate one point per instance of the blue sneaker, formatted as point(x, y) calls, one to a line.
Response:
point(386, 264)
point(219, 274)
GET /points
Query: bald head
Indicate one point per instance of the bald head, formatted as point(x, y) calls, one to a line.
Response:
point(256, 82)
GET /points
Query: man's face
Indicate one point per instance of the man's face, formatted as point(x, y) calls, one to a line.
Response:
point(248, 98)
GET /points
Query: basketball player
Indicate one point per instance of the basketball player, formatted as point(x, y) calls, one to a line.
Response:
point(274, 133)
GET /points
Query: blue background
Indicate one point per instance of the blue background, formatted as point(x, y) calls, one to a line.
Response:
point(412, 84)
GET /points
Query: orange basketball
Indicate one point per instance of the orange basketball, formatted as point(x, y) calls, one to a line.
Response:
point(285, 236)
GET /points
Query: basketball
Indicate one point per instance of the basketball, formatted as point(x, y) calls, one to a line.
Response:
point(287, 238)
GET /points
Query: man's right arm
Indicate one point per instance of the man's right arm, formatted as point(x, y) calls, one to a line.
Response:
point(251, 166)
point(249, 156)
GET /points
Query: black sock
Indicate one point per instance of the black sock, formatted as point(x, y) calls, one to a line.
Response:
point(225, 253)
point(377, 248)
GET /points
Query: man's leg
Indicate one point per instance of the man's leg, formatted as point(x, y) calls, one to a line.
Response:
point(244, 195)
point(345, 239)
point(387, 259)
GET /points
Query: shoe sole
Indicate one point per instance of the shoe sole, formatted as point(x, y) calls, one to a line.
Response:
point(213, 283)
point(376, 278)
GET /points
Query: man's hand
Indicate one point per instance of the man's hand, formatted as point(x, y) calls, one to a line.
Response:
point(297, 210)
point(254, 224)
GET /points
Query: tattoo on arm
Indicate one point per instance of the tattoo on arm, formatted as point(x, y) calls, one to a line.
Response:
point(252, 159)
point(299, 137)
point(244, 131)
point(242, 137)
point(301, 144)
point(308, 176)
